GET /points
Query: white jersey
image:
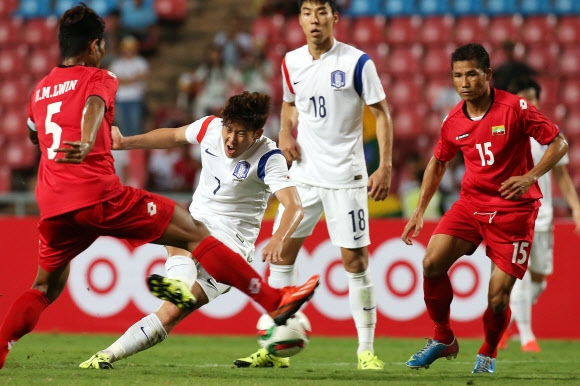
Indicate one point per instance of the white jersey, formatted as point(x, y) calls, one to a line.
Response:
point(330, 94)
point(546, 211)
point(233, 193)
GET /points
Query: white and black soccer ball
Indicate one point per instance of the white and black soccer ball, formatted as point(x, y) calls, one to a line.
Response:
point(286, 340)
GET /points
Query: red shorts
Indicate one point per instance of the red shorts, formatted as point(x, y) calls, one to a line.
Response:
point(508, 235)
point(135, 215)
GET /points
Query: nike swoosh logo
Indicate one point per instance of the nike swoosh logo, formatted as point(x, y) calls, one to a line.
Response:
point(297, 82)
point(208, 152)
point(209, 281)
point(358, 237)
point(369, 309)
point(144, 333)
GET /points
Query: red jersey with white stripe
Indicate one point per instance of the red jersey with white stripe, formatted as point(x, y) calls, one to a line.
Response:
point(55, 108)
point(495, 148)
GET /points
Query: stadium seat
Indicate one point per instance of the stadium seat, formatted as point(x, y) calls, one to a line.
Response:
point(377, 52)
point(12, 60)
point(34, 8)
point(13, 122)
point(104, 7)
point(434, 84)
point(543, 57)
point(534, 7)
point(434, 7)
point(551, 87)
point(294, 35)
point(405, 92)
point(269, 30)
point(10, 31)
point(470, 29)
point(5, 177)
point(467, 7)
point(41, 31)
point(567, 30)
point(571, 129)
point(502, 28)
point(404, 60)
point(437, 61)
point(437, 30)
point(8, 7)
point(408, 123)
point(364, 8)
point(60, 6)
point(42, 60)
point(570, 61)
point(500, 7)
point(403, 30)
point(368, 29)
point(396, 8)
point(570, 93)
point(20, 153)
point(538, 29)
point(566, 7)
point(170, 10)
point(14, 91)
point(555, 112)
point(343, 29)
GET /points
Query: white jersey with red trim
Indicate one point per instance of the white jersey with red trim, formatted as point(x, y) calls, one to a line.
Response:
point(546, 211)
point(233, 192)
point(330, 94)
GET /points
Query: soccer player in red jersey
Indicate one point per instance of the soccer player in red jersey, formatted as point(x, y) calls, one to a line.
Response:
point(80, 197)
point(498, 202)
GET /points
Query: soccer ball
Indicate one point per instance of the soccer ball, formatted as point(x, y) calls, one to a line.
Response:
point(286, 340)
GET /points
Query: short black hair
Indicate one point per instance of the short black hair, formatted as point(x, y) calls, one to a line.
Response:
point(331, 3)
point(521, 84)
point(249, 109)
point(471, 51)
point(78, 27)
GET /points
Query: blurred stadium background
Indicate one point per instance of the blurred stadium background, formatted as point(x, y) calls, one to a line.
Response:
point(409, 40)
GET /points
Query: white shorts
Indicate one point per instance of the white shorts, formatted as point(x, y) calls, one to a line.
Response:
point(346, 212)
point(542, 253)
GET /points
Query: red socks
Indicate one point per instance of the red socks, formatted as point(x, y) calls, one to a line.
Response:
point(438, 295)
point(494, 325)
point(21, 319)
point(228, 267)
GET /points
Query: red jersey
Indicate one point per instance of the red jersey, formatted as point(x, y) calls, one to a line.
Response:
point(495, 148)
point(56, 107)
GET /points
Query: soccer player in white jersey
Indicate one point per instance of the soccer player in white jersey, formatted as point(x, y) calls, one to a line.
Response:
point(240, 168)
point(326, 86)
point(526, 291)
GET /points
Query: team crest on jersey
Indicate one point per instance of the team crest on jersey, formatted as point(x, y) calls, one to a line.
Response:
point(241, 170)
point(498, 130)
point(337, 79)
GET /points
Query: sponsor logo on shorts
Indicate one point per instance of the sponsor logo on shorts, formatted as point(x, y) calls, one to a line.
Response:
point(151, 208)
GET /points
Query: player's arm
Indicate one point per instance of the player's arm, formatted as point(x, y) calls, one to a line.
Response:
point(286, 142)
point(380, 181)
point(32, 133)
point(514, 187)
point(293, 214)
point(92, 117)
point(566, 186)
point(431, 180)
point(163, 138)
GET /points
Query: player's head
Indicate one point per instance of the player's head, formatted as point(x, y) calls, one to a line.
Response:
point(81, 33)
point(243, 119)
point(317, 19)
point(471, 71)
point(527, 88)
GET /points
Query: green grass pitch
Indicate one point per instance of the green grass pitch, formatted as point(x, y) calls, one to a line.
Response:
point(52, 359)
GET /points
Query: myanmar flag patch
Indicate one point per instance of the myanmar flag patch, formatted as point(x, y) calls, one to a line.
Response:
point(498, 130)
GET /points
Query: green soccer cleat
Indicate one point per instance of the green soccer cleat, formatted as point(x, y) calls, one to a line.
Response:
point(97, 361)
point(369, 361)
point(171, 290)
point(262, 358)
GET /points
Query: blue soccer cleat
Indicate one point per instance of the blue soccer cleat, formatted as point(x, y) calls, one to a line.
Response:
point(432, 351)
point(484, 364)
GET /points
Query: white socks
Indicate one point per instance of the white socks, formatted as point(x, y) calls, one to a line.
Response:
point(537, 289)
point(363, 305)
point(142, 335)
point(281, 276)
point(521, 305)
point(181, 268)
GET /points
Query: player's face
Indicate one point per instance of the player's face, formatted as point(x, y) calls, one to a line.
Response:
point(470, 82)
point(317, 21)
point(238, 139)
point(530, 95)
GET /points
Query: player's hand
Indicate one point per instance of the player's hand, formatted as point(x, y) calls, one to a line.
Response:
point(515, 187)
point(75, 154)
point(117, 138)
point(379, 184)
point(289, 146)
point(272, 252)
point(415, 224)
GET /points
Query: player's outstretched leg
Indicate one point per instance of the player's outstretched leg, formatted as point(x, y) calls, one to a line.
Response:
point(432, 351)
point(97, 361)
point(172, 290)
point(484, 364)
point(262, 358)
point(292, 299)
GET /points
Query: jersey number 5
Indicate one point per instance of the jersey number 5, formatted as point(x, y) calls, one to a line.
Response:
point(53, 128)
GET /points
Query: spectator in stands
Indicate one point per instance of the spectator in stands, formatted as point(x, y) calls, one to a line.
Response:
point(140, 19)
point(511, 69)
point(131, 69)
point(236, 44)
point(526, 291)
point(114, 33)
point(258, 70)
